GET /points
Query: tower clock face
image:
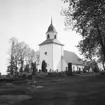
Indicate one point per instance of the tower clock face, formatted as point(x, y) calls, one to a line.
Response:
point(45, 53)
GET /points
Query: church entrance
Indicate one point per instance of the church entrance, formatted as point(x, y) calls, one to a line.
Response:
point(44, 66)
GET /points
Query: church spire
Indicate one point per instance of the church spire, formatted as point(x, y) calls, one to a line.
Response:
point(51, 20)
point(51, 28)
point(51, 32)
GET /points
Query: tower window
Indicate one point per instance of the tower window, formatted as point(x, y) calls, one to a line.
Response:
point(48, 36)
point(55, 37)
point(45, 53)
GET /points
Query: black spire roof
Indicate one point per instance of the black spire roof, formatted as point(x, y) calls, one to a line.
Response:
point(51, 28)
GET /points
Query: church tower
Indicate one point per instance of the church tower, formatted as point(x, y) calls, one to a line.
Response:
point(51, 32)
point(51, 50)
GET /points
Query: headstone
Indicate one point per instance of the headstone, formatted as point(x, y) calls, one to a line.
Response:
point(69, 72)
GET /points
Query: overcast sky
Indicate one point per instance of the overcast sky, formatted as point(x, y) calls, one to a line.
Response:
point(28, 21)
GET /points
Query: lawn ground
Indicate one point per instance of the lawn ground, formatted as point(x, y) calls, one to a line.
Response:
point(73, 90)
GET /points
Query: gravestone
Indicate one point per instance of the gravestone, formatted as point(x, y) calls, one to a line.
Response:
point(69, 72)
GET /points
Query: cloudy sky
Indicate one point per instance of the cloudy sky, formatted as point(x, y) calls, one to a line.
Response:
point(28, 21)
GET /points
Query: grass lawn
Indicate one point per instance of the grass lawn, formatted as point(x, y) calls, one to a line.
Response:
point(74, 90)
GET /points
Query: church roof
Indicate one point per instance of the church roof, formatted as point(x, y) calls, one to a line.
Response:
point(49, 41)
point(51, 28)
point(71, 57)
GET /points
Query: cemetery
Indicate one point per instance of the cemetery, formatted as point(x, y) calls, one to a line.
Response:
point(53, 89)
point(51, 75)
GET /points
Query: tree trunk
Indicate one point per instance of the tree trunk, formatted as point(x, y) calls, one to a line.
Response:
point(16, 68)
point(101, 42)
point(103, 63)
point(22, 62)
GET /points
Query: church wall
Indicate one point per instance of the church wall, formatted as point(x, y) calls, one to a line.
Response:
point(74, 66)
point(54, 58)
point(48, 57)
point(57, 57)
point(65, 65)
point(51, 35)
point(77, 67)
point(81, 67)
point(53, 53)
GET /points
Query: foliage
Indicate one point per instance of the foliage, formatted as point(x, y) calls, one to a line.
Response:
point(31, 56)
point(94, 66)
point(40, 74)
point(101, 58)
point(102, 73)
point(27, 69)
point(13, 57)
point(19, 55)
point(33, 67)
point(88, 18)
point(86, 68)
point(91, 65)
point(37, 57)
point(10, 70)
point(23, 51)
point(56, 74)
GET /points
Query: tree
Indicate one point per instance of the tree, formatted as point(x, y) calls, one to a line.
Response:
point(19, 55)
point(94, 66)
point(91, 65)
point(12, 68)
point(44, 65)
point(33, 67)
point(23, 51)
point(101, 58)
point(31, 55)
point(88, 18)
point(27, 69)
point(37, 58)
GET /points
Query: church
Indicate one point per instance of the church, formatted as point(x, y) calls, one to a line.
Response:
point(52, 52)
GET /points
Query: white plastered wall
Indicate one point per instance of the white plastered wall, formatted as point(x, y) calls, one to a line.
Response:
point(51, 35)
point(54, 58)
point(76, 67)
point(48, 57)
point(57, 57)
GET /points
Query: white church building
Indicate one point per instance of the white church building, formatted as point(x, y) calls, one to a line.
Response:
point(53, 53)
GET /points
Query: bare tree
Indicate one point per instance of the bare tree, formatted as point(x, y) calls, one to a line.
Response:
point(20, 55)
point(37, 58)
point(33, 67)
point(22, 48)
point(31, 55)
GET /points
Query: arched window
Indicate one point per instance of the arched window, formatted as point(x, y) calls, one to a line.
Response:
point(48, 36)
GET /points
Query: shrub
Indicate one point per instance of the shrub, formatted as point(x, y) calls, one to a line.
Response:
point(78, 72)
point(55, 74)
point(102, 73)
point(41, 74)
point(95, 69)
point(62, 74)
point(52, 74)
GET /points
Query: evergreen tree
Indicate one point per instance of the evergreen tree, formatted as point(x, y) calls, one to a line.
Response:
point(34, 69)
point(12, 67)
